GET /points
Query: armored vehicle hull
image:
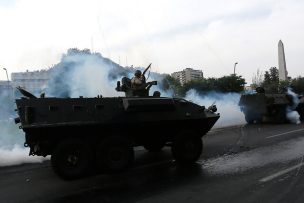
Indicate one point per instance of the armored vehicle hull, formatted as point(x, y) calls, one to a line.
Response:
point(80, 133)
point(273, 108)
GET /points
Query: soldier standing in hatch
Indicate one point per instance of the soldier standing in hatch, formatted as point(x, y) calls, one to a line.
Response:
point(138, 81)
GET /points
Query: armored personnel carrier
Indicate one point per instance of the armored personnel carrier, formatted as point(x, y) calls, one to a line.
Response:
point(81, 133)
point(261, 107)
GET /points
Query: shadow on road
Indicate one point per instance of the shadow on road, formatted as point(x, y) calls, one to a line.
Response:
point(147, 179)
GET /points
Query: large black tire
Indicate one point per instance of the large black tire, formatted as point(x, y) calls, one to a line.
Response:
point(71, 159)
point(114, 154)
point(155, 145)
point(187, 148)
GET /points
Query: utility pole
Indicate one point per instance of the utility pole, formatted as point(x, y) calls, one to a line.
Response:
point(8, 83)
point(6, 75)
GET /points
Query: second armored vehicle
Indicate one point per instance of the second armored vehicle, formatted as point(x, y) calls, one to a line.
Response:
point(261, 107)
point(80, 133)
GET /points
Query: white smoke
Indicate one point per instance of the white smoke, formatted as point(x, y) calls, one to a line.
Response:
point(80, 74)
point(227, 105)
point(12, 151)
point(91, 79)
point(17, 155)
point(292, 115)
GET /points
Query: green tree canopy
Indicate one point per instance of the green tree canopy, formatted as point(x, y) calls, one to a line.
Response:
point(231, 83)
point(272, 84)
point(170, 83)
point(297, 84)
point(271, 80)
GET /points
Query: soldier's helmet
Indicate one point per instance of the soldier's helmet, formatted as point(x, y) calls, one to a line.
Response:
point(137, 73)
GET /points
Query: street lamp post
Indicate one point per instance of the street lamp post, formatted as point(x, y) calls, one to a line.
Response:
point(234, 67)
point(8, 83)
point(6, 75)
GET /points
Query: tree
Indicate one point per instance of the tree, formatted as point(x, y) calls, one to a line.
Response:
point(283, 86)
point(274, 74)
point(297, 84)
point(170, 83)
point(231, 83)
point(271, 80)
point(267, 79)
point(201, 85)
point(257, 79)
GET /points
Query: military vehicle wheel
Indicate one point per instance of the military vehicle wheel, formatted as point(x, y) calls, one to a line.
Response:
point(71, 159)
point(187, 148)
point(115, 154)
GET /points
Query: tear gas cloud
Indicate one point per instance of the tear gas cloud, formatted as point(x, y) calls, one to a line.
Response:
point(82, 73)
point(227, 105)
point(292, 115)
point(12, 151)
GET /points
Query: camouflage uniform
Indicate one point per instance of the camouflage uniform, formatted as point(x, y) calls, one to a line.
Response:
point(138, 81)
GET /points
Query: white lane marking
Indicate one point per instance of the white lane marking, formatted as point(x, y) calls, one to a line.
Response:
point(300, 167)
point(293, 131)
point(275, 175)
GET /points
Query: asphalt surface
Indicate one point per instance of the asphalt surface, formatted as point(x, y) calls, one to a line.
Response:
point(250, 163)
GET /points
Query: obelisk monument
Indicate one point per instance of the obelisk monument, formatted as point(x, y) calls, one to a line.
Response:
point(282, 62)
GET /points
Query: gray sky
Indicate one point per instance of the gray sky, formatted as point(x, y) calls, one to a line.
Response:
point(172, 34)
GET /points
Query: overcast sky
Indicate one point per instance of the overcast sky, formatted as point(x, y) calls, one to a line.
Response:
point(173, 34)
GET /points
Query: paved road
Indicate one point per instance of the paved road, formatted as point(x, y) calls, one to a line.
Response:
point(254, 163)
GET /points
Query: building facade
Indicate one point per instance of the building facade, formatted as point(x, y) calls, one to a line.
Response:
point(6, 100)
point(187, 75)
point(32, 81)
point(6, 87)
